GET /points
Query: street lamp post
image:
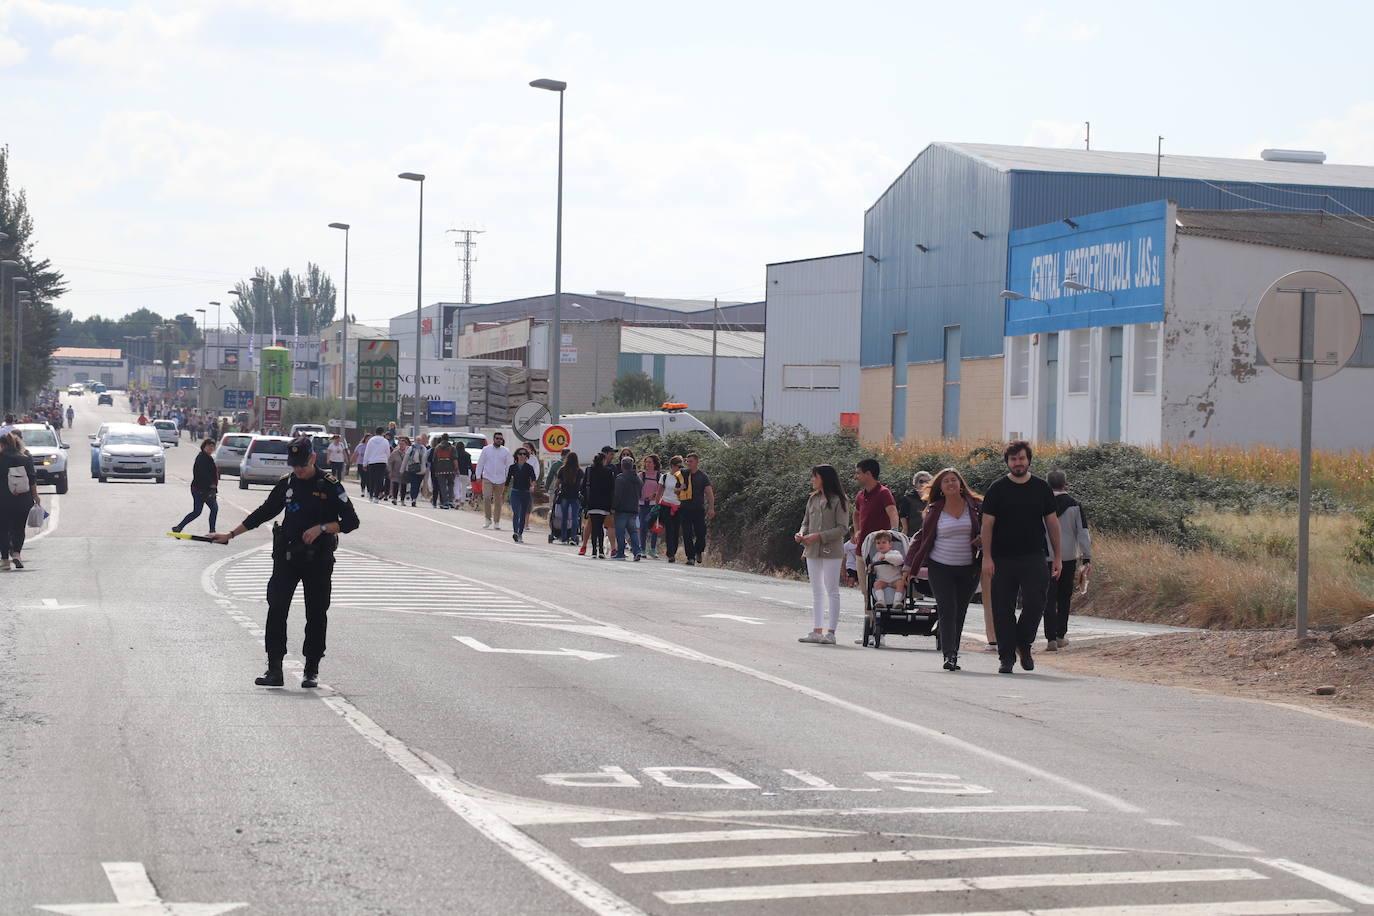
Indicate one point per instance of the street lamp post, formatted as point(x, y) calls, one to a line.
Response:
point(419, 277)
point(219, 340)
point(343, 355)
point(555, 347)
point(204, 345)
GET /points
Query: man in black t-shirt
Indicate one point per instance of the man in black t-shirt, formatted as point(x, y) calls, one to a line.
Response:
point(1018, 514)
point(698, 505)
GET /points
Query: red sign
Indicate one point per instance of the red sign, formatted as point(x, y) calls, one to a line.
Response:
point(849, 422)
point(557, 438)
point(427, 326)
point(271, 414)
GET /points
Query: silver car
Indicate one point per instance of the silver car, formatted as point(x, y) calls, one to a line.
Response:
point(46, 449)
point(264, 461)
point(128, 450)
point(229, 452)
point(168, 431)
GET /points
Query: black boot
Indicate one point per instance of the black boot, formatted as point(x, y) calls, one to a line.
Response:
point(312, 673)
point(272, 677)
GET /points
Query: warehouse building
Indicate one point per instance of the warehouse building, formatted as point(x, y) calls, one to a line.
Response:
point(89, 364)
point(937, 246)
point(1159, 347)
point(811, 365)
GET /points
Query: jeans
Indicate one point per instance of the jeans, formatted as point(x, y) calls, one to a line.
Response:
point(693, 521)
point(460, 488)
point(953, 588)
point(569, 515)
point(1028, 576)
point(825, 591)
point(491, 501)
point(520, 501)
point(414, 479)
point(648, 537)
point(199, 500)
point(443, 492)
point(337, 469)
point(1057, 601)
point(627, 522)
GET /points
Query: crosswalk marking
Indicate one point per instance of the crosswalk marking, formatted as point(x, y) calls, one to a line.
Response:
point(938, 885)
point(701, 836)
point(1229, 908)
point(790, 860)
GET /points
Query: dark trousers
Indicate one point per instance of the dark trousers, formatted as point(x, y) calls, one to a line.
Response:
point(1057, 601)
point(337, 469)
point(376, 480)
point(199, 500)
point(672, 530)
point(693, 530)
point(314, 576)
point(1028, 576)
point(520, 502)
point(598, 533)
point(414, 479)
point(953, 588)
point(14, 516)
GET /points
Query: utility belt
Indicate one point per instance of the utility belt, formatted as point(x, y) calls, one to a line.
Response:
point(295, 550)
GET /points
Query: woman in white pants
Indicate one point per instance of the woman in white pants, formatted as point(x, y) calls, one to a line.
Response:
point(822, 538)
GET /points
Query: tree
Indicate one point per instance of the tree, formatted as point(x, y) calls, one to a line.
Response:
point(39, 321)
point(637, 390)
point(276, 303)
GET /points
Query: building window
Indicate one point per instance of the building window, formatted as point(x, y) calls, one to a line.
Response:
point(953, 375)
point(899, 372)
point(1080, 356)
point(811, 378)
point(1146, 375)
point(1019, 375)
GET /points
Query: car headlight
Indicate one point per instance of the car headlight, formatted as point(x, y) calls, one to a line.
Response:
point(157, 458)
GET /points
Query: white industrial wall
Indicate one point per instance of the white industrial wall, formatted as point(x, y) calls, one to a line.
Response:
point(1213, 389)
point(813, 315)
point(687, 379)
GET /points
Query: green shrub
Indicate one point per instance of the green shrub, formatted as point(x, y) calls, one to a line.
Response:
point(1362, 548)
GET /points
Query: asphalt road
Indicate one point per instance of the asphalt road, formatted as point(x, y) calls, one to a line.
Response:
point(515, 729)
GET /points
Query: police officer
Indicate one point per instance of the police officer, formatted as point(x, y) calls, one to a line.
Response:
point(317, 512)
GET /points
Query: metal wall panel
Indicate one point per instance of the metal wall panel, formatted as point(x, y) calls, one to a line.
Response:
point(938, 202)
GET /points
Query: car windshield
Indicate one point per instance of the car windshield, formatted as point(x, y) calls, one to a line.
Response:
point(164, 424)
point(270, 447)
point(237, 441)
point(133, 437)
point(38, 438)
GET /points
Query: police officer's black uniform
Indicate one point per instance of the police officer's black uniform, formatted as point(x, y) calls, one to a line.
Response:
point(316, 501)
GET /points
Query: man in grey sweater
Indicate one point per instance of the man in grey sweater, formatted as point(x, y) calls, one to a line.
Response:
point(1076, 546)
point(625, 503)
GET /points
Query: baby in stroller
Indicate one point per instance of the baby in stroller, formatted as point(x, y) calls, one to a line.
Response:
point(884, 560)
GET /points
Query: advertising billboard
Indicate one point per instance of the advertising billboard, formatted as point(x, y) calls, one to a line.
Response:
point(377, 384)
point(447, 350)
point(1118, 255)
point(277, 367)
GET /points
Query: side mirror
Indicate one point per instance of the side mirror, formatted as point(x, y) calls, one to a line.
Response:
point(91, 437)
point(65, 445)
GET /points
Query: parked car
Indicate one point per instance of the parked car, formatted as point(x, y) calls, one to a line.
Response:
point(472, 443)
point(229, 452)
point(168, 431)
point(132, 451)
point(264, 461)
point(96, 439)
point(46, 448)
point(104, 398)
point(308, 429)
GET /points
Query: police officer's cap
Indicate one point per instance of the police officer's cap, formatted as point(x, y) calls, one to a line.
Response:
point(299, 451)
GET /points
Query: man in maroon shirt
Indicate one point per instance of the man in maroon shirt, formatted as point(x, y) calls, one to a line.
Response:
point(874, 510)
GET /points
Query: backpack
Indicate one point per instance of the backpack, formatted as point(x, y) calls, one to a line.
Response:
point(414, 459)
point(18, 479)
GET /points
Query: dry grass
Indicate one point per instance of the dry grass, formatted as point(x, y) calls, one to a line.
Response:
point(1249, 580)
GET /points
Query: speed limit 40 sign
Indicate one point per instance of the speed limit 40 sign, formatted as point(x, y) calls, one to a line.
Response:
point(556, 438)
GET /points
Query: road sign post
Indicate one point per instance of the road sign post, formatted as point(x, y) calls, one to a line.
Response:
point(1306, 342)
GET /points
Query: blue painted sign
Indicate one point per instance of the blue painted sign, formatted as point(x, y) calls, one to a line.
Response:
point(440, 411)
point(237, 399)
point(1118, 254)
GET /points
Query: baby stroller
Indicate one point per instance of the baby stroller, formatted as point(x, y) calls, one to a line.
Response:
point(909, 613)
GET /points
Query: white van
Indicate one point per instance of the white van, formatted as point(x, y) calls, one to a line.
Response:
point(590, 431)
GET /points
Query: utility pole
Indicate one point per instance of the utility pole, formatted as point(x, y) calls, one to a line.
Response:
point(467, 244)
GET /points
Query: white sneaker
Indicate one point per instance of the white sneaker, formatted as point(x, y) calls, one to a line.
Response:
point(497, 526)
point(486, 523)
point(828, 639)
point(815, 637)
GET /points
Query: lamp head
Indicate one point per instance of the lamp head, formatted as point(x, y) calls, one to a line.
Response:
point(551, 85)
point(212, 302)
point(411, 176)
point(1011, 294)
point(343, 226)
point(9, 263)
point(1074, 285)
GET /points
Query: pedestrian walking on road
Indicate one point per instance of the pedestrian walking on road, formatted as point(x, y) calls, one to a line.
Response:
point(651, 482)
point(625, 502)
point(520, 482)
point(493, 466)
point(1018, 513)
point(417, 464)
point(874, 510)
point(204, 486)
point(444, 466)
point(598, 494)
point(18, 496)
point(946, 546)
point(358, 462)
point(821, 536)
point(568, 497)
point(911, 507)
point(462, 481)
point(1076, 547)
point(374, 456)
point(396, 468)
point(698, 507)
point(670, 508)
point(317, 512)
point(336, 453)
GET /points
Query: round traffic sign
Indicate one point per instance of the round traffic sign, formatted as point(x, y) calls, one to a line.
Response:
point(557, 438)
point(529, 416)
point(1335, 325)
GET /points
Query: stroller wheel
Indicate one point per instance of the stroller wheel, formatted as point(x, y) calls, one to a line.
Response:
point(868, 630)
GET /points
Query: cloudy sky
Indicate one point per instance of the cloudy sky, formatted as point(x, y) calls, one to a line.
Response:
point(169, 146)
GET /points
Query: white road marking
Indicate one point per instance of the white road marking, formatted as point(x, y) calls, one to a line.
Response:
point(51, 604)
point(516, 843)
point(135, 896)
point(814, 783)
point(1229, 908)
point(570, 653)
point(940, 885)
point(756, 621)
point(1351, 890)
point(843, 812)
point(792, 860)
point(701, 836)
point(1162, 822)
point(1228, 845)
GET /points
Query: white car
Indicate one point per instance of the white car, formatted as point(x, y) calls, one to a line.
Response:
point(128, 450)
point(168, 431)
point(264, 461)
point(46, 449)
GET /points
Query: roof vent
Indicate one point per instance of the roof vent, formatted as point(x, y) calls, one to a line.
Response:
point(611, 292)
point(1310, 156)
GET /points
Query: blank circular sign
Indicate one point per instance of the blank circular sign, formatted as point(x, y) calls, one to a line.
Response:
point(1336, 325)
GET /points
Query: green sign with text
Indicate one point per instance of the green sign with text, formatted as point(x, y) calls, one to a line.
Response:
point(378, 361)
